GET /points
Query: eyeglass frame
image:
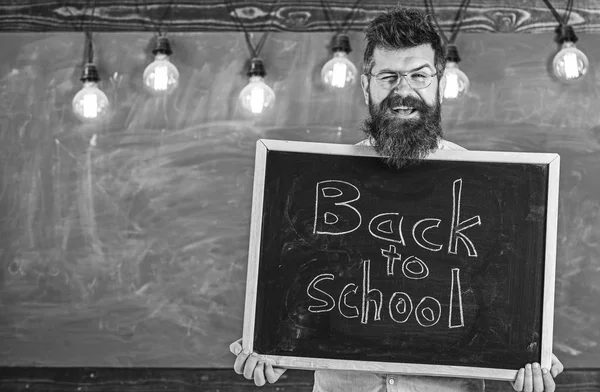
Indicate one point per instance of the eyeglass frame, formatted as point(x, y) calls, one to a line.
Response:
point(400, 76)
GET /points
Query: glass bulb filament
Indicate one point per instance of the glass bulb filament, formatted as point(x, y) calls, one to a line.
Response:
point(90, 103)
point(161, 76)
point(457, 82)
point(452, 87)
point(256, 97)
point(570, 63)
point(257, 100)
point(339, 72)
point(571, 68)
point(339, 75)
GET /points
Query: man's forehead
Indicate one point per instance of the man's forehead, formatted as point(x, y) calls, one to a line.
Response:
point(404, 58)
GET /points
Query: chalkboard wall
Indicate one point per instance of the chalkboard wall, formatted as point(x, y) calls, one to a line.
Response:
point(131, 250)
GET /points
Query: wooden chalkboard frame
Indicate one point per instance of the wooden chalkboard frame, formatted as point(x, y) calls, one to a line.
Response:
point(263, 146)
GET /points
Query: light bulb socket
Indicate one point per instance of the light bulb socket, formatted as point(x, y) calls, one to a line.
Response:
point(89, 73)
point(566, 34)
point(452, 53)
point(342, 43)
point(256, 68)
point(162, 46)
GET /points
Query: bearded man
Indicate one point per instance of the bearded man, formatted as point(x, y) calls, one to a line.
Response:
point(402, 82)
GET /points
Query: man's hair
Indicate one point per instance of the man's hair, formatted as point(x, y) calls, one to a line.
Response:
point(402, 28)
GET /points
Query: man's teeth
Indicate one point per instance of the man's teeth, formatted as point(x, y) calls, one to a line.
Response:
point(403, 110)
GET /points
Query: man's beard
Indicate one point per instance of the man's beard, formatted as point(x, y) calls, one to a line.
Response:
point(403, 141)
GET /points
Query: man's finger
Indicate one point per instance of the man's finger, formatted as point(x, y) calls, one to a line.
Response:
point(557, 367)
point(518, 383)
point(240, 361)
point(272, 373)
point(259, 374)
point(528, 380)
point(236, 347)
point(538, 381)
point(549, 385)
point(250, 365)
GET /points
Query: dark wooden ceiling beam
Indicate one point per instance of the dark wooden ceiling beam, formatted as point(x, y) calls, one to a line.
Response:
point(501, 16)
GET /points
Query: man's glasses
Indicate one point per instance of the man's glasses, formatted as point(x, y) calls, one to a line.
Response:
point(389, 80)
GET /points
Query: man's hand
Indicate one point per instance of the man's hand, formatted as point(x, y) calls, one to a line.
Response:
point(534, 379)
point(248, 364)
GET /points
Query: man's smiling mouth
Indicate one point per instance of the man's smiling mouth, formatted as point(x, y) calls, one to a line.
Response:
point(404, 111)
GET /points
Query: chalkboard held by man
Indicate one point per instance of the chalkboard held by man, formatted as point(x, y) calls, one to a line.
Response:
point(403, 80)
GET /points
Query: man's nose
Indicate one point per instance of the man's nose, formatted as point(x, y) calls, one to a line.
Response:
point(403, 88)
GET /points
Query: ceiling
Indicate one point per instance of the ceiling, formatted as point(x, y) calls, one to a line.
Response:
point(499, 16)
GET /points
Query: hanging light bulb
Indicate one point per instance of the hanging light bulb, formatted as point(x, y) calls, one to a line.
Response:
point(90, 103)
point(256, 97)
point(339, 72)
point(570, 64)
point(457, 83)
point(161, 77)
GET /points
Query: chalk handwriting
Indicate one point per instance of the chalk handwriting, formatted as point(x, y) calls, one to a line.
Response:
point(428, 315)
point(456, 232)
point(392, 256)
point(342, 302)
point(412, 267)
point(419, 234)
point(383, 226)
point(367, 292)
point(403, 306)
point(326, 304)
point(455, 290)
point(335, 214)
point(328, 207)
point(411, 261)
point(400, 307)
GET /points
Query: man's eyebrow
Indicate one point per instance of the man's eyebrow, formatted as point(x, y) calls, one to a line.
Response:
point(421, 67)
point(412, 70)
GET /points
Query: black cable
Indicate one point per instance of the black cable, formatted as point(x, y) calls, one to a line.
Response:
point(568, 11)
point(233, 14)
point(263, 39)
point(144, 14)
point(86, 49)
point(344, 26)
point(460, 15)
point(349, 21)
point(170, 11)
point(328, 15)
point(428, 5)
point(157, 28)
point(75, 27)
point(89, 48)
point(88, 36)
point(553, 10)
point(254, 50)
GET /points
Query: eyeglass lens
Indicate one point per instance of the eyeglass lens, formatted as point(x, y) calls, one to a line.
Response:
point(389, 80)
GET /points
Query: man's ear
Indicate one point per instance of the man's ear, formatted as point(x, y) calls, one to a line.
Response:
point(442, 87)
point(364, 82)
